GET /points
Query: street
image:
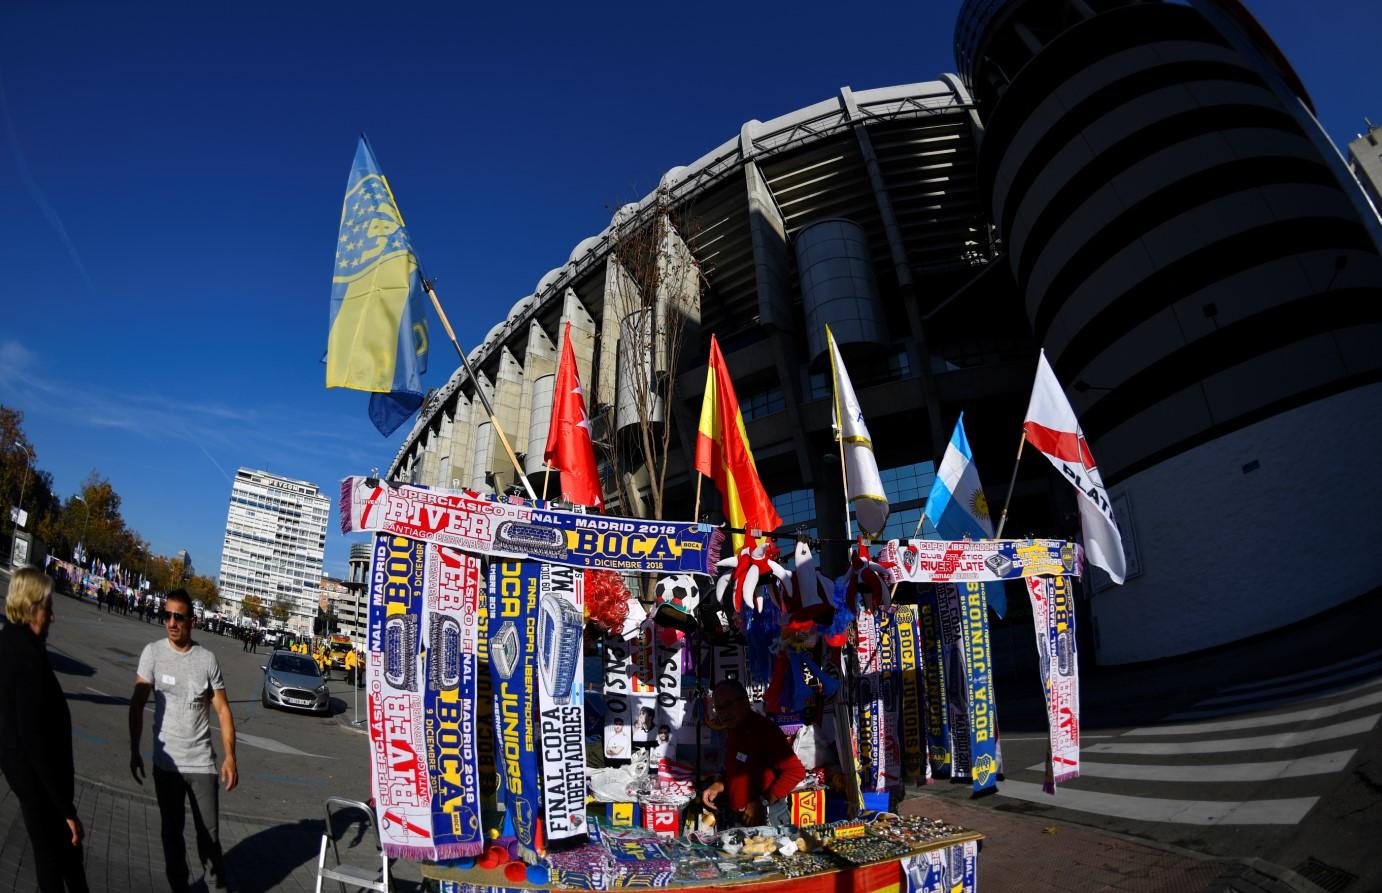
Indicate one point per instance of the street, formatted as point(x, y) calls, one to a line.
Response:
point(289, 763)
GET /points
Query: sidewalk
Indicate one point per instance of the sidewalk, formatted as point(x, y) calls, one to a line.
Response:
point(124, 852)
point(1037, 854)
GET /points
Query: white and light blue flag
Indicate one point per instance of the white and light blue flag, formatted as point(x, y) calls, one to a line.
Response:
point(957, 507)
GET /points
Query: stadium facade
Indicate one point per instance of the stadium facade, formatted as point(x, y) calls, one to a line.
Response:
point(1141, 188)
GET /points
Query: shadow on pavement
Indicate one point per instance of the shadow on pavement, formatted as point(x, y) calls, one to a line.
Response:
point(109, 700)
point(263, 861)
point(69, 666)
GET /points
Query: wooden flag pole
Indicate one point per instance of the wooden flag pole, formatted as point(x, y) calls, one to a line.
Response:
point(547, 476)
point(696, 515)
point(844, 483)
point(489, 409)
point(998, 535)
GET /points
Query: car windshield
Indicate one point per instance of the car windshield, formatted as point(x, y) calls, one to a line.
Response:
point(294, 663)
point(340, 647)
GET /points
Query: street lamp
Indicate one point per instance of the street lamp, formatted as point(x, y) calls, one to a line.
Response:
point(19, 509)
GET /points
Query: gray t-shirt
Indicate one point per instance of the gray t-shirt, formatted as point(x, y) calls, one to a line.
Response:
point(183, 682)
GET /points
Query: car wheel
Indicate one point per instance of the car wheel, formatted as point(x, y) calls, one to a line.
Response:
point(264, 699)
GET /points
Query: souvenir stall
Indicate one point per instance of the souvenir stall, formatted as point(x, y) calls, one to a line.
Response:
point(534, 726)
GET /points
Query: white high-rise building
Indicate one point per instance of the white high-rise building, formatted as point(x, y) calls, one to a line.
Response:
point(274, 546)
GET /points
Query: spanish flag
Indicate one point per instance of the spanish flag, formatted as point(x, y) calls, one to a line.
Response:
point(723, 454)
point(378, 334)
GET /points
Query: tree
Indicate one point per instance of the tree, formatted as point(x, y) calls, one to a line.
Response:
point(203, 589)
point(280, 609)
point(21, 477)
point(655, 285)
point(252, 606)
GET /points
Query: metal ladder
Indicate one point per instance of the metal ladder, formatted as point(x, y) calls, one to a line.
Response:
point(355, 876)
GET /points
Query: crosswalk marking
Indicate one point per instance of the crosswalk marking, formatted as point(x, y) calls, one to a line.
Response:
point(1258, 706)
point(1321, 765)
point(1153, 809)
point(1228, 745)
point(1371, 656)
point(1257, 722)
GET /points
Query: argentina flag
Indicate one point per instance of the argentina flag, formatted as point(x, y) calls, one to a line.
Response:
point(957, 507)
point(378, 335)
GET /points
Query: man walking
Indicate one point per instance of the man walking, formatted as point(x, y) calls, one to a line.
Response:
point(186, 682)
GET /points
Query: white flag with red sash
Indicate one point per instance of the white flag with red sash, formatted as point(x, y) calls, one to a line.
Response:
point(1051, 427)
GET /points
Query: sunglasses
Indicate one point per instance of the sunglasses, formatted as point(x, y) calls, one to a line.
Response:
point(176, 615)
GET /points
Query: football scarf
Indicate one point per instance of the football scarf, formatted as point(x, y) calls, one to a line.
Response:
point(1053, 615)
point(933, 664)
point(951, 613)
point(514, 589)
point(618, 737)
point(561, 703)
point(890, 690)
point(983, 712)
point(914, 765)
point(519, 529)
point(952, 869)
point(978, 561)
point(399, 778)
point(448, 700)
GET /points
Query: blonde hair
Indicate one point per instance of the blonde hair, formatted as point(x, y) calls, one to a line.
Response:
point(29, 588)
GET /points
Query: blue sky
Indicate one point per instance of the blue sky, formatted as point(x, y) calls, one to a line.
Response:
point(171, 179)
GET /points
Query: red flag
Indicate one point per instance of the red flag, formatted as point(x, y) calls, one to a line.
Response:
point(723, 453)
point(569, 448)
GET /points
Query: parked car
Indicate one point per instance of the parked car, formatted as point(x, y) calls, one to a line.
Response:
point(293, 680)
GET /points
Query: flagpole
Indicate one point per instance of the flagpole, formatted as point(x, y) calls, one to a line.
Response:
point(998, 534)
point(547, 476)
point(839, 425)
point(479, 391)
point(696, 515)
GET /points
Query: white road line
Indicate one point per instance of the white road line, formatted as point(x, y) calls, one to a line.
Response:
point(1321, 765)
point(1258, 722)
point(1259, 706)
point(1364, 673)
point(1230, 745)
point(1180, 812)
point(1306, 674)
point(1048, 737)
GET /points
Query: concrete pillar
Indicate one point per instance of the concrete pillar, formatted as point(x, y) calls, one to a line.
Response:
point(773, 282)
point(457, 475)
point(539, 362)
point(583, 334)
point(441, 476)
point(621, 295)
point(508, 405)
point(919, 353)
point(481, 436)
point(678, 290)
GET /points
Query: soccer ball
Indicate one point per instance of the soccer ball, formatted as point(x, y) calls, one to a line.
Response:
point(677, 597)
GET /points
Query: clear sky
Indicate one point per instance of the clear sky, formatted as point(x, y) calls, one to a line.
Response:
point(171, 178)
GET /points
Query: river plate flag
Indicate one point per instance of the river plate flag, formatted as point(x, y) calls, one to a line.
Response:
point(1053, 617)
point(377, 340)
point(1052, 428)
point(862, 482)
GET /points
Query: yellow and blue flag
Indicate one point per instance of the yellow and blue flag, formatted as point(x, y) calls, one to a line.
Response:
point(378, 337)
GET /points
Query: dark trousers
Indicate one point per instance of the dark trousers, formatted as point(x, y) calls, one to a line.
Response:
point(57, 864)
point(174, 790)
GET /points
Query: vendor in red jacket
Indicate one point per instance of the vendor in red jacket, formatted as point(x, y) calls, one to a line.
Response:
point(760, 767)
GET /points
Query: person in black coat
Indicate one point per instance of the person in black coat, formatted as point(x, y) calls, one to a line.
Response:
point(36, 735)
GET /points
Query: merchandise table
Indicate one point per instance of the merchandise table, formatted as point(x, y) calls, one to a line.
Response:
point(945, 855)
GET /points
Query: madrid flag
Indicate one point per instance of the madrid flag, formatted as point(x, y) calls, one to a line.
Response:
point(723, 454)
point(1051, 427)
point(862, 481)
point(569, 448)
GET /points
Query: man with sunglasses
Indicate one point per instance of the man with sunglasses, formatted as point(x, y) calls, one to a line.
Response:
point(760, 769)
point(186, 682)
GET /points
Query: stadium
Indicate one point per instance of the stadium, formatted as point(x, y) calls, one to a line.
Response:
point(1141, 188)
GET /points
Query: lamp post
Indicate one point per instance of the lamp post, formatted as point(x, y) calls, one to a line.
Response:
point(14, 526)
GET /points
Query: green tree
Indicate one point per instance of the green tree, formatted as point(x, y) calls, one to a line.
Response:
point(252, 606)
point(204, 590)
point(280, 610)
